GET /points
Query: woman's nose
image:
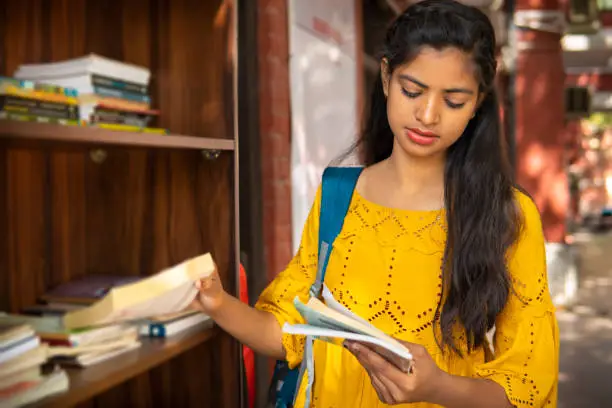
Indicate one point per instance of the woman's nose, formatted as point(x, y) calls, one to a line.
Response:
point(428, 113)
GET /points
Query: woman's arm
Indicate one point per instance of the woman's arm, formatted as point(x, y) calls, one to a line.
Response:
point(260, 327)
point(463, 392)
point(257, 329)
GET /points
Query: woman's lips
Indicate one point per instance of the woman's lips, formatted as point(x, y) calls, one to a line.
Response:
point(421, 137)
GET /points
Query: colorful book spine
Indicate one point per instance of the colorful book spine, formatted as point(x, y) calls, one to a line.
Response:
point(38, 119)
point(119, 118)
point(99, 80)
point(23, 84)
point(36, 107)
point(128, 128)
point(122, 94)
point(39, 95)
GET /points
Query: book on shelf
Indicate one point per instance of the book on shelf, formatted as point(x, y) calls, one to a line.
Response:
point(28, 101)
point(18, 117)
point(22, 356)
point(100, 83)
point(51, 308)
point(83, 347)
point(101, 92)
point(37, 107)
point(136, 118)
point(171, 290)
point(96, 351)
point(167, 327)
point(37, 90)
point(122, 339)
point(86, 66)
point(29, 390)
point(89, 359)
point(86, 289)
point(332, 322)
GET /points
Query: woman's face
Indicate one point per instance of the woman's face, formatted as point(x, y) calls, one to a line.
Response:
point(430, 100)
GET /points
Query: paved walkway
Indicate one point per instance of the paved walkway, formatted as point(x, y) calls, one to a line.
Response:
point(585, 373)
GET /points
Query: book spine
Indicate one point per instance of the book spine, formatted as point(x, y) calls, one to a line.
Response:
point(38, 108)
point(99, 80)
point(122, 94)
point(109, 102)
point(157, 330)
point(119, 119)
point(26, 85)
point(128, 128)
point(37, 94)
point(38, 119)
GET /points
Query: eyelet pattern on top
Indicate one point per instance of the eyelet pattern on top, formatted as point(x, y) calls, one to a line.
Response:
point(386, 267)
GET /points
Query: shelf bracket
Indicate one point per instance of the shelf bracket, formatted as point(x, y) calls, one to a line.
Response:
point(98, 156)
point(211, 154)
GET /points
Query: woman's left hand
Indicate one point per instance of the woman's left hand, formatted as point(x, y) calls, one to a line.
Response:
point(391, 384)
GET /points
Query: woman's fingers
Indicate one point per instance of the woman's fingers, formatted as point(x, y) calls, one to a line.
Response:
point(381, 390)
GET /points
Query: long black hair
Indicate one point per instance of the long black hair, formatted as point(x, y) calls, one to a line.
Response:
point(483, 220)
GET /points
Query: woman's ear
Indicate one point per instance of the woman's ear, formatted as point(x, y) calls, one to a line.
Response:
point(481, 97)
point(384, 75)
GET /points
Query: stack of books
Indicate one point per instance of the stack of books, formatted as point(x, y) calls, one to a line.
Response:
point(22, 356)
point(82, 347)
point(31, 101)
point(111, 94)
point(98, 317)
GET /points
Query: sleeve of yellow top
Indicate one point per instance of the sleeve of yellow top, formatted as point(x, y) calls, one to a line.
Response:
point(295, 280)
point(526, 342)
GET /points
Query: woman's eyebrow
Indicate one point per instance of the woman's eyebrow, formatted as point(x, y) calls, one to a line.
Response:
point(422, 85)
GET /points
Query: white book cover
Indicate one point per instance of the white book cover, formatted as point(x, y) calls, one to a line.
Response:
point(88, 64)
point(20, 348)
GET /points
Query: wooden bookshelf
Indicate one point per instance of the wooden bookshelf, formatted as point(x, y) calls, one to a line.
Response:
point(87, 383)
point(151, 202)
point(30, 131)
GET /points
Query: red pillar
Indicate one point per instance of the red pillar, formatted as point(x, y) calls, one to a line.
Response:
point(540, 114)
point(275, 129)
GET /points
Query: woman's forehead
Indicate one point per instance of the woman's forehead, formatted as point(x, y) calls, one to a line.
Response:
point(446, 68)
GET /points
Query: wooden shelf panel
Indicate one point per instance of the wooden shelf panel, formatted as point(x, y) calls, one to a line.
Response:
point(32, 131)
point(87, 383)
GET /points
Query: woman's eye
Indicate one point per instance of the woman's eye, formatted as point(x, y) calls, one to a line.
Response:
point(410, 94)
point(454, 105)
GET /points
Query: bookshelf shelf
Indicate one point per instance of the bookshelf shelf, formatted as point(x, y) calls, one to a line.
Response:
point(32, 131)
point(86, 383)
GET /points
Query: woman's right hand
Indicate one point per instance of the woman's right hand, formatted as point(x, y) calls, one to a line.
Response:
point(210, 294)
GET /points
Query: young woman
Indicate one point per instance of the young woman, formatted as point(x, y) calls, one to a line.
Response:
point(438, 247)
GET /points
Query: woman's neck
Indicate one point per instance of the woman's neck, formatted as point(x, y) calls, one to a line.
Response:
point(414, 174)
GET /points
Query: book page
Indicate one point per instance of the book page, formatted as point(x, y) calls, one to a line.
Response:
point(169, 291)
point(333, 304)
point(317, 314)
point(398, 356)
point(172, 301)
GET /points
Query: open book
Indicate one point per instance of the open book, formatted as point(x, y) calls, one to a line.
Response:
point(169, 291)
point(332, 322)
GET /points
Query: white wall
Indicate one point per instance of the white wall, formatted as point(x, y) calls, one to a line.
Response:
point(323, 78)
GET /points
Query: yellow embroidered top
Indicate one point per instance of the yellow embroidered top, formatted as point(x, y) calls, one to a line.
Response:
point(385, 266)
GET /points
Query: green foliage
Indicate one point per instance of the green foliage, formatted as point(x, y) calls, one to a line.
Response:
point(600, 120)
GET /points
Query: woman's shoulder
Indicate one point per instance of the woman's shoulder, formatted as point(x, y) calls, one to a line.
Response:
point(529, 244)
point(527, 207)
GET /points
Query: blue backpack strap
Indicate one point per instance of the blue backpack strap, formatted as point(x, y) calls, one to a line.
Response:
point(337, 190)
point(336, 194)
